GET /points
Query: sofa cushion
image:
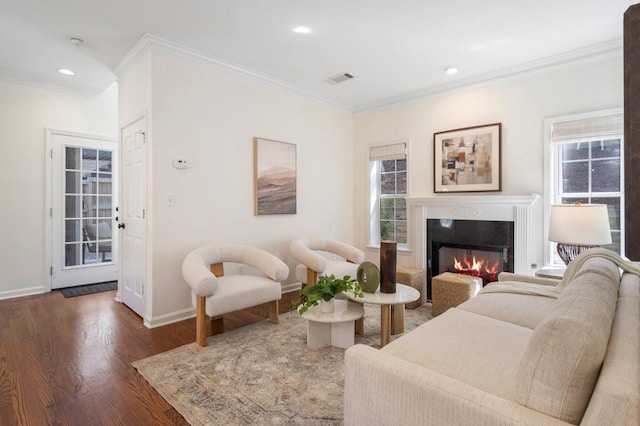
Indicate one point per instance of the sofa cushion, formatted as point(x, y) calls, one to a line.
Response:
point(560, 366)
point(525, 310)
point(474, 349)
point(616, 397)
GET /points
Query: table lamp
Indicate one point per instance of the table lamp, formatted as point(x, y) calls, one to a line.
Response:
point(578, 227)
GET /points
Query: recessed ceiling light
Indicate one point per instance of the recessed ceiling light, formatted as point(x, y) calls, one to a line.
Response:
point(65, 71)
point(451, 70)
point(302, 30)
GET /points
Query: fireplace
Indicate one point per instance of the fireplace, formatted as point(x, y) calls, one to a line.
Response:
point(515, 211)
point(479, 248)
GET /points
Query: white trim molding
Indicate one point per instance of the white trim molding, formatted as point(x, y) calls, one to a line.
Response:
point(150, 44)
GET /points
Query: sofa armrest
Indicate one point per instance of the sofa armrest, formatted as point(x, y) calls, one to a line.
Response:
point(510, 276)
point(383, 389)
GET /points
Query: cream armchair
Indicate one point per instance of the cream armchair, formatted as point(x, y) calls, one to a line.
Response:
point(323, 256)
point(215, 293)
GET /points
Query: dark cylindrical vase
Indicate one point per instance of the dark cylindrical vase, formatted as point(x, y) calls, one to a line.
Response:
point(388, 267)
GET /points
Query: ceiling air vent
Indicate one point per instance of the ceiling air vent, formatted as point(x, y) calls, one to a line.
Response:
point(339, 78)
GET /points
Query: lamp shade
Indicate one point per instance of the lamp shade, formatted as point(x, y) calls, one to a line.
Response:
point(580, 224)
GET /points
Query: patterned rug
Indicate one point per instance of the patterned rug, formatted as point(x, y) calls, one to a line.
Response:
point(261, 374)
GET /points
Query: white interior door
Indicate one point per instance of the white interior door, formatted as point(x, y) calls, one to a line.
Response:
point(83, 190)
point(132, 216)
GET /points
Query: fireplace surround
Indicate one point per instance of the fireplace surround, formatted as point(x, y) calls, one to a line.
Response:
point(501, 208)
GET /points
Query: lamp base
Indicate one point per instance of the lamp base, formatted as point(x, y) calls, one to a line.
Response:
point(568, 252)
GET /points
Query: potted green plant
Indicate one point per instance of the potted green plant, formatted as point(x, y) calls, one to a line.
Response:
point(325, 290)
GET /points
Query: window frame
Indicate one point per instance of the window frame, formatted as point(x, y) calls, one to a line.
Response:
point(375, 195)
point(553, 191)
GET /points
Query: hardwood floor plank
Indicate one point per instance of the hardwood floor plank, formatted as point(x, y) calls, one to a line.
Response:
point(68, 361)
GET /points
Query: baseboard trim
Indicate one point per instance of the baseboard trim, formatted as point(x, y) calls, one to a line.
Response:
point(191, 312)
point(288, 288)
point(11, 294)
point(169, 318)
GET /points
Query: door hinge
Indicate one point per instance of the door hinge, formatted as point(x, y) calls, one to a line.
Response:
point(51, 270)
point(144, 216)
point(144, 137)
point(50, 211)
point(51, 153)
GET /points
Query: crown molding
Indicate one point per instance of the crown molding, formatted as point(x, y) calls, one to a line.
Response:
point(51, 84)
point(150, 44)
point(587, 54)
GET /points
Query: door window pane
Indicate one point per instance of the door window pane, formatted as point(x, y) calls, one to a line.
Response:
point(89, 160)
point(73, 254)
point(72, 206)
point(72, 158)
point(104, 161)
point(104, 183)
point(104, 206)
point(72, 182)
point(89, 206)
point(72, 231)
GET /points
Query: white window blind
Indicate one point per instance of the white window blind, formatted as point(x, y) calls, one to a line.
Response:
point(396, 151)
point(588, 128)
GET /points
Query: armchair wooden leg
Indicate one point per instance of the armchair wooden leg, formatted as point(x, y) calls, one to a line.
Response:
point(201, 321)
point(312, 277)
point(274, 312)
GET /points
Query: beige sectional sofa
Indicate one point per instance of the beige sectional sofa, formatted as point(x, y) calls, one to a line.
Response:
point(506, 358)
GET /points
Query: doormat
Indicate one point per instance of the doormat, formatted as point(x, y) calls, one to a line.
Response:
point(89, 289)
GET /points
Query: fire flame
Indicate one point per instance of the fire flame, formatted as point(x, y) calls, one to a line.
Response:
point(474, 266)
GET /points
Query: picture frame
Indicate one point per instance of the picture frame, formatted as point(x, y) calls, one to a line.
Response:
point(468, 159)
point(275, 177)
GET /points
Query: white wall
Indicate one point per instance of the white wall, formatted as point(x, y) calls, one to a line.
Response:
point(25, 113)
point(520, 104)
point(210, 118)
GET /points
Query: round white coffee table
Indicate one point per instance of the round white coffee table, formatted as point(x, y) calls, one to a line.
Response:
point(335, 328)
point(390, 322)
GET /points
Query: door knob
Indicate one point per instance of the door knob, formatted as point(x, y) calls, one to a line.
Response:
point(121, 226)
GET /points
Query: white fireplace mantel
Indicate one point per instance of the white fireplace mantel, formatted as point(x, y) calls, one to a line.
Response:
point(516, 209)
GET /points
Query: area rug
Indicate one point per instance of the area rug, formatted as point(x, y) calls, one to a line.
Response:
point(89, 289)
point(261, 374)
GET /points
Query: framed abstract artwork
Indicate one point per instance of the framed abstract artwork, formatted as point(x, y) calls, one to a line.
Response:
point(274, 170)
point(468, 159)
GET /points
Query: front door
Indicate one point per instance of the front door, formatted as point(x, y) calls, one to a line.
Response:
point(83, 190)
point(132, 217)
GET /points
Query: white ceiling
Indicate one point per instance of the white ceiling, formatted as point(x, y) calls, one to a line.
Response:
point(396, 49)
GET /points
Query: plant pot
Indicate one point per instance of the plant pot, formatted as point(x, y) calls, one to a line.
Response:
point(326, 307)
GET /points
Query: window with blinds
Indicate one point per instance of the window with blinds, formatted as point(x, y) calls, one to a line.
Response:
point(389, 194)
point(587, 164)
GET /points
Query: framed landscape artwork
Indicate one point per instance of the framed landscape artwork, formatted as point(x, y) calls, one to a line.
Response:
point(468, 160)
point(274, 169)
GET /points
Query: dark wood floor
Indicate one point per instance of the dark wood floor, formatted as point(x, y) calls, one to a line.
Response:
point(68, 361)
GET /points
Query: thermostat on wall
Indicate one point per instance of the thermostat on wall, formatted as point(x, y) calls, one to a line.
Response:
point(180, 163)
